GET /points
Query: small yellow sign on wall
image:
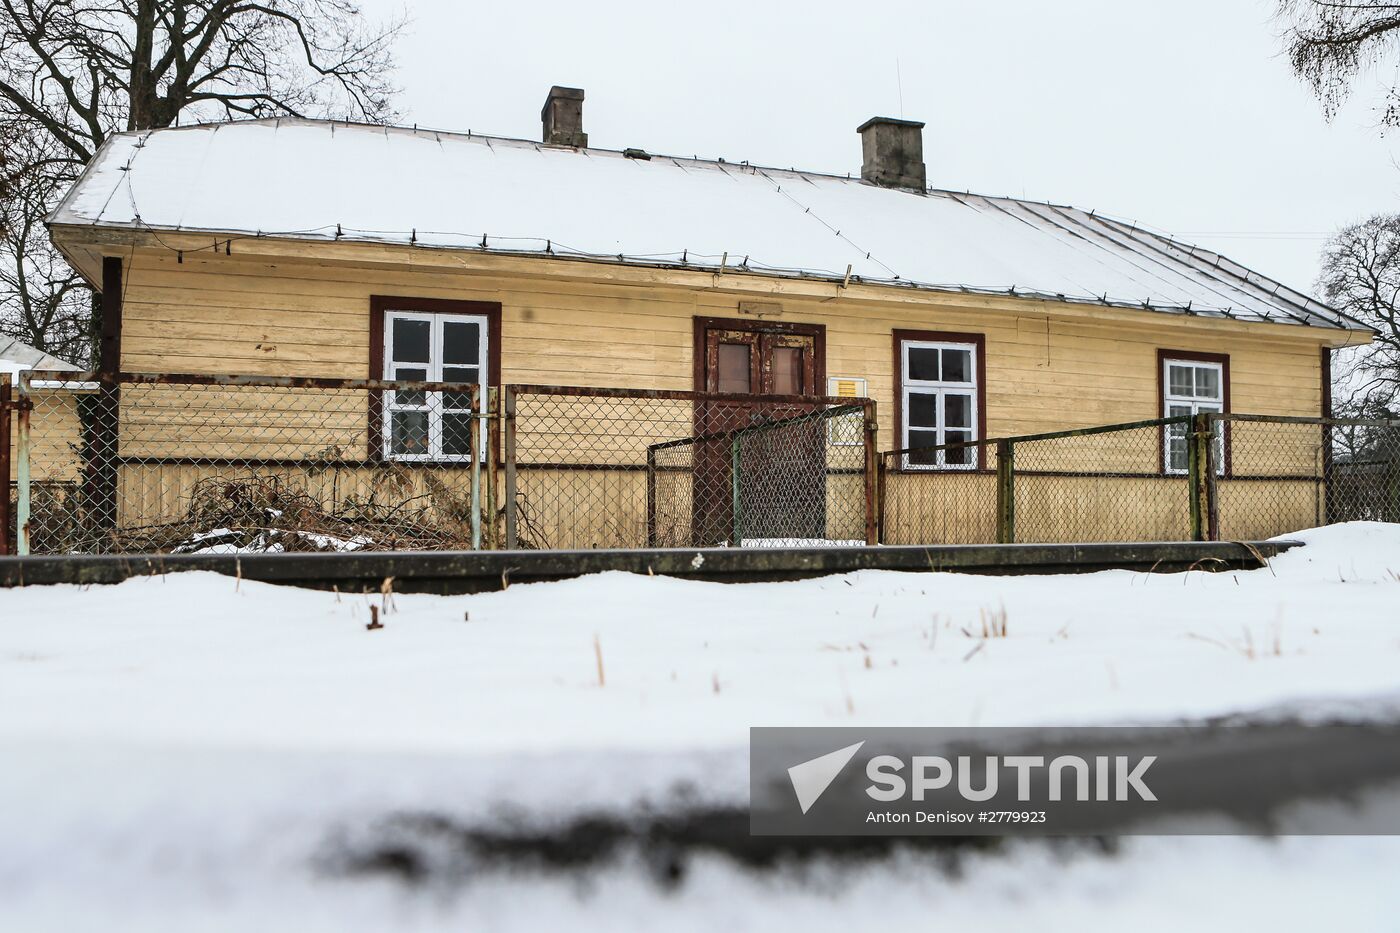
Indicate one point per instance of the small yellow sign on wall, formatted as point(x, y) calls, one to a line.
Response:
point(845, 387)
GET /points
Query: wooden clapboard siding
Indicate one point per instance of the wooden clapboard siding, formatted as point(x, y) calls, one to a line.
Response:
point(162, 493)
point(940, 508)
point(1048, 367)
point(278, 308)
point(55, 437)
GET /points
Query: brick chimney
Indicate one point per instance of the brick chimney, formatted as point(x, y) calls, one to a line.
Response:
point(892, 153)
point(562, 117)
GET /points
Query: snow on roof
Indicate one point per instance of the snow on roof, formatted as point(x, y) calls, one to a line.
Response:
point(328, 180)
point(16, 356)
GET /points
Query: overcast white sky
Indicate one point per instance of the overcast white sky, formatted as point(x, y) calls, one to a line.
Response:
point(1181, 115)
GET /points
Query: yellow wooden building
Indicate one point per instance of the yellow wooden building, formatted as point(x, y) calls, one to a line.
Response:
point(319, 249)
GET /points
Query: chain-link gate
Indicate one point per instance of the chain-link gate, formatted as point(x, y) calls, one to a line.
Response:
point(590, 468)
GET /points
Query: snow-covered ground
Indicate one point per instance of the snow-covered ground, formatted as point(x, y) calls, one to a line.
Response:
point(186, 752)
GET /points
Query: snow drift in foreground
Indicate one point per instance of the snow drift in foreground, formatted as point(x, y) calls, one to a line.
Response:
point(177, 751)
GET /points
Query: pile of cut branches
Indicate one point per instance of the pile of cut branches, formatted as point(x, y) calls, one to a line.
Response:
point(261, 513)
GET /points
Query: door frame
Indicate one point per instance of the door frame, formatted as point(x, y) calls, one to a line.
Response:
point(816, 331)
point(712, 520)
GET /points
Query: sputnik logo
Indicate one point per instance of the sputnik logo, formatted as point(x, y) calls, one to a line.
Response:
point(811, 778)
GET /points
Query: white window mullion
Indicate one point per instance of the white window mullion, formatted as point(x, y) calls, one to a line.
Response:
point(439, 409)
point(435, 398)
point(1199, 398)
point(947, 370)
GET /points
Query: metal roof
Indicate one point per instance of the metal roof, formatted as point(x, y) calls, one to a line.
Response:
point(309, 179)
point(15, 356)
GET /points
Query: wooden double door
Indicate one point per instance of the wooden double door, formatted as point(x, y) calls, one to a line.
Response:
point(781, 490)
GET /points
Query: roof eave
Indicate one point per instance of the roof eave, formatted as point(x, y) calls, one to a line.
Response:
point(127, 235)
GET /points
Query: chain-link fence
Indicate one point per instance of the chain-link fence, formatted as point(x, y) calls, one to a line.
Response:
point(1208, 476)
point(1117, 484)
point(181, 464)
point(146, 463)
point(590, 468)
point(1279, 474)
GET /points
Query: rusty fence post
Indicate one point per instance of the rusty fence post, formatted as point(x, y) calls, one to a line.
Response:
point(881, 479)
point(493, 407)
point(22, 404)
point(735, 481)
point(1211, 466)
point(1006, 492)
point(5, 392)
point(508, 425)
point(477, 434)
point(874, 485)
point(1194, 474)
point(651, 495)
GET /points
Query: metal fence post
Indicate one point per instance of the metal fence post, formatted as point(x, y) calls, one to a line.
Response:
point(477, 433)
point(5, 405)
point(508, 415)
point(880, 486)
point(493, 405)
point(1211, 467)
point(874, 489)
point(22, 449)
point(651, 496)
point(1194, 474)
point(736, 514)
point(1006, 492)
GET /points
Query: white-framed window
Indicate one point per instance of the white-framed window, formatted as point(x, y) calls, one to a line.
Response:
point(938, 382)
point(1190, 387)
point(432, 347)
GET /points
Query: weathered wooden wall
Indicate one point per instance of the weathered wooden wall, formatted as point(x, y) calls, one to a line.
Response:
point(303, 309)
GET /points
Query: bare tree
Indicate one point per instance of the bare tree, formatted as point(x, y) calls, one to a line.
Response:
point(1361, 277)
point(72, 72)
point(1330, 43)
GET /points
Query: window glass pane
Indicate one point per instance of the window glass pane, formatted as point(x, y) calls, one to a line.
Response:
point(923, 364)
point(1179, 381)
point(787, 371)
point(1176, 454)
point(408, 432)
point(734, 368)
point(957, 365)
point(957, 411)
point(1176, 411)
point(410, 341)
point(410, 374)
point(458, 374)
point(465, 374)
point(1207, 382)
point(958, 456)
point(461, 342)
point(923, 410)
point(919, 439)
point(456, 435)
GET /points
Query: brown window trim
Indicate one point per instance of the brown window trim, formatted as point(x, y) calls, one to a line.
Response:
point(1190, 356)
point(816, 331)
point(941, 336)
point(378, 305)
